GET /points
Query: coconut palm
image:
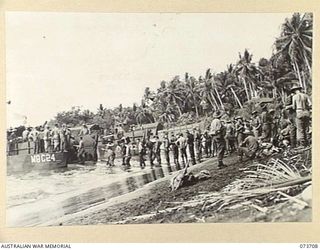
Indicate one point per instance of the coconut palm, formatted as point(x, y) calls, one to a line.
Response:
point(247, 72)
point(191, 92)
point(173, 93)
point(295, 44)
point(143, 114)
point(225, 82)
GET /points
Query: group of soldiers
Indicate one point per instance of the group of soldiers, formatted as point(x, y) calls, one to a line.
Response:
point(287, 126)
point(44, 139)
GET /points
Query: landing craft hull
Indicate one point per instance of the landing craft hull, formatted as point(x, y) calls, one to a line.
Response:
point(42, 161)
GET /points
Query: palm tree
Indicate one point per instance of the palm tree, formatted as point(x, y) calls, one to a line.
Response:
point(295, 44)
point(143, 114)
point(173, 93)
point(191, 91)
point(247, 72)
point(225, 82)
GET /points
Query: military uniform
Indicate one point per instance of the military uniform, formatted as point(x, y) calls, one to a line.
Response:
point(142, 152)
point(182, 144)
point(239, 130)
point(230, 136)
point(47, 139)
point(256, 124)
point(249, 146)
point(157, 151)
point(301, 105)
point(197, 144)
point(292, 119)
point(56, 139)
point(175, 152)
point(150, 146)
point(166, 146)
point(217, 131)
point(190, 142)
point(266, 125)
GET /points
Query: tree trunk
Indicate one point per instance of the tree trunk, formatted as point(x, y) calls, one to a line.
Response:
point(296, 68)
point(219, 98)
point(304, 80)
point(236, 97)
point(214, 99)
point(308, 65)
point(195, 106)
point(179, 109)
point(213, 106)
point(250, 90)
point(245, 87)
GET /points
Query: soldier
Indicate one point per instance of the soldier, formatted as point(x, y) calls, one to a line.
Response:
point(41, 140)
point(34, 136)
point(63, 138)
point(68, 138)
point(239, 130)
point(256, 124)
point(204, 144)
point(230, 136)
point(210, 145)
point(157, 149)
point(142, 153)
point(190, 142)
point(47, 139)
point(12, 142)
point(218, 132)
point(182, 144)
point(285, 129)
point(123, 151)
point(84, 130)
point(25, 134)
point(166, 146)
point(56, 138)
point(81, 155)
point(110, 154)
point(249, 146)
point(266, 124)
point(292, 119)
point(301, 104)
point(127, 151)
point(197, 143)
point(175, 151)
point(150, 146)
point(273, 124)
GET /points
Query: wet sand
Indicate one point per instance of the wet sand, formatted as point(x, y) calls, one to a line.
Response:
point(158, 196)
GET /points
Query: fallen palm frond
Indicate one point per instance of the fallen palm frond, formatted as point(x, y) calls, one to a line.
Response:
point(264, 185)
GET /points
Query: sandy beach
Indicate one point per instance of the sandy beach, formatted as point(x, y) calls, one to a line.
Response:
point(146, 204)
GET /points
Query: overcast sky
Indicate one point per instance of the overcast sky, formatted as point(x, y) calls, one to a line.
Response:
point(58, 60)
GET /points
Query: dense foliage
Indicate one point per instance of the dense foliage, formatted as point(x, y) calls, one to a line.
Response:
point(189, 98)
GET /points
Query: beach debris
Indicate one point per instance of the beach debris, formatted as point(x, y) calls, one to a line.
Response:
point(183, 178)
point(178, 179)
point(264, 187)
point(306, 195)
point(294, 199)
point(158, 207)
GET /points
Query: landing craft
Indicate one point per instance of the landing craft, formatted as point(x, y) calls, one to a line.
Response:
point(22, 159)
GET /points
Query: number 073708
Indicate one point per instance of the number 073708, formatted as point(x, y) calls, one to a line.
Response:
point(304, 245)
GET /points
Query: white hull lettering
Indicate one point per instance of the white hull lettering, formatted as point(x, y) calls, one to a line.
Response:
point(42, 158)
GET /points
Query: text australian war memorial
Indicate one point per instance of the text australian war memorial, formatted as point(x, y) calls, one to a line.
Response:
point(217, 143)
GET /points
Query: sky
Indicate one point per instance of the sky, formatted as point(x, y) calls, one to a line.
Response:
point(58, 60)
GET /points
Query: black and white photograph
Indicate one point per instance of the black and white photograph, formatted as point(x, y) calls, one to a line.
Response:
point(158, 118)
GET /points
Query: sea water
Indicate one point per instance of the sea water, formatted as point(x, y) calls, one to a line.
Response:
point(37, 197)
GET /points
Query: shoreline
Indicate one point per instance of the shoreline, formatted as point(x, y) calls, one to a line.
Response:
point(155, 203)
